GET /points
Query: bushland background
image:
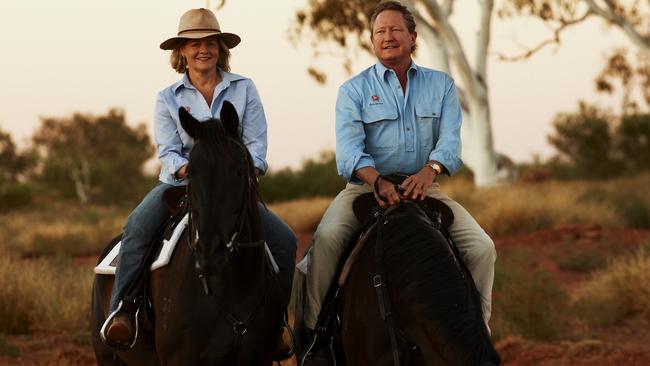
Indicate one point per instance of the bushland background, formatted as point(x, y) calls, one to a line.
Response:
point(572, 235)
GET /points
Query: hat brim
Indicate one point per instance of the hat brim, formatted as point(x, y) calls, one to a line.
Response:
point(231, 40)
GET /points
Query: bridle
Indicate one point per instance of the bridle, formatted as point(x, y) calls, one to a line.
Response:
point(233, 245)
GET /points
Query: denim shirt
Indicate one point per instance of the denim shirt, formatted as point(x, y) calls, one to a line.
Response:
point(379, 126)
point(174, 144)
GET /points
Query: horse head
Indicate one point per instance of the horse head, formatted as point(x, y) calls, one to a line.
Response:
point(223, 189)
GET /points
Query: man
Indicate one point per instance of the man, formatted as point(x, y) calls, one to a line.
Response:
point(395, 117)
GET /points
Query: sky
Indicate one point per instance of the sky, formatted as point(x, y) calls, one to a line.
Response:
point(67, 56)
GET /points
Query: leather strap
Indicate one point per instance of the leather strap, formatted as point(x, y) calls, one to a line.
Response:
point(381, 288)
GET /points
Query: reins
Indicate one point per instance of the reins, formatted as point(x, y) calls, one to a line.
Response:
point(381, 288)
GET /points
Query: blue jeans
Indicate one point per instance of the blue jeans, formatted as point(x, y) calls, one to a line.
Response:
point(151, 213)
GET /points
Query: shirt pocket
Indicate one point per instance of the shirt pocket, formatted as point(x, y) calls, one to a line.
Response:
point(428, 121)
point(381, 127)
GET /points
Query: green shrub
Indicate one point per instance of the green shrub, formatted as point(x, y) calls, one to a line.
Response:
point(7, 349)
point(527, 301)
point(316, 178)
point(583, 139)
point(634, 211)
point(579, 260)
point(14, 196)
point(633, 142)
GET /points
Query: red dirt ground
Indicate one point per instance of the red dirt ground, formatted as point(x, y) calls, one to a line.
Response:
point(625, 344)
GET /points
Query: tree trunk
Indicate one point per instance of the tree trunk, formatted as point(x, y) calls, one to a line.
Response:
point(478, 149)
point(476, 133)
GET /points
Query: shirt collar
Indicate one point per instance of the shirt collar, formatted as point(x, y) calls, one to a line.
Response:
point(381, 69)
point(226, 76)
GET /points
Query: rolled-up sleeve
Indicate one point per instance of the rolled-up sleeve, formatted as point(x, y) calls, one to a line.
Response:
point(448, 147)
point(254, 128)
point(168, 142)
point(350, 135)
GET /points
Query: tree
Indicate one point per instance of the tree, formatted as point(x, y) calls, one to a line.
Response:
point(346, 21)
point(584, 141)
point(631, 17)
point(620, 71)
point(92, 157)
point(13, 164)
point(633, 142)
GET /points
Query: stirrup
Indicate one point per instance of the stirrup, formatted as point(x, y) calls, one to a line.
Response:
point(292, 340)
point(133, 317)
point(317, 350)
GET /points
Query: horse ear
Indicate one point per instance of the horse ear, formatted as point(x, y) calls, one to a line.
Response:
point(230, 119)
point(190, 124)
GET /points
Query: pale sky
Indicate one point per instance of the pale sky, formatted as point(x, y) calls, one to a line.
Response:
point(66, 56)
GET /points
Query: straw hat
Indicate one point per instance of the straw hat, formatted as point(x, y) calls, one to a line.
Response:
point(200, 23)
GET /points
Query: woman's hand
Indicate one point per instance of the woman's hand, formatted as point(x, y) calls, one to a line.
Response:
point(182, 172)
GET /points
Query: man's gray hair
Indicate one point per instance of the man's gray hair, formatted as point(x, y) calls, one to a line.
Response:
point(397, 6)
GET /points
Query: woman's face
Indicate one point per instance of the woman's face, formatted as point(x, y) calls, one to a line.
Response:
point(201, 54)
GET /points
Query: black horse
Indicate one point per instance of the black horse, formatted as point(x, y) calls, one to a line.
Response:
point(217, 302)
point(407, 300)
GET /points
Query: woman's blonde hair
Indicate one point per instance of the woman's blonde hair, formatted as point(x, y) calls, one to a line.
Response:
point(180, 64)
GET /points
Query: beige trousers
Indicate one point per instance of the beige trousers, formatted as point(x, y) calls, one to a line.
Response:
point(339, 224)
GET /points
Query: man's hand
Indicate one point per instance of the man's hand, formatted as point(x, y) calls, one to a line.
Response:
point(386, 190)
point(417, 185)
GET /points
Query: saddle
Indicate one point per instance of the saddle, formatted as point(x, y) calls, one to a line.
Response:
point(163, 243)
point(366, 210)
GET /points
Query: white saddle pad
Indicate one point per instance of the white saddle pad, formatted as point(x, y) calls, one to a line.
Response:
point(108, 264)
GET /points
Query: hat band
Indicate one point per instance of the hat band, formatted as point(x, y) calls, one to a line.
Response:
point(199, 30)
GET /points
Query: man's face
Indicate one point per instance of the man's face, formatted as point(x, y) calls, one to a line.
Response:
point(391, 39)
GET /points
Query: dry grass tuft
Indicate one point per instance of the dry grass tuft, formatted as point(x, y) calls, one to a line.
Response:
point(43, 294)
point(620, 291)
point(60, 230)
point(523, 208)
point(302, 215)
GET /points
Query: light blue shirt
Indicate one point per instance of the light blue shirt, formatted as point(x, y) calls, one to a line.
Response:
point(174, 145)
point(379, 126)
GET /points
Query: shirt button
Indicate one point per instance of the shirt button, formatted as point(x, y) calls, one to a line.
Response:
point(408, 129)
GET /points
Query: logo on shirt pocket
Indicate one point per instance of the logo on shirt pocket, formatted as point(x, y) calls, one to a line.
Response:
point(374, 100)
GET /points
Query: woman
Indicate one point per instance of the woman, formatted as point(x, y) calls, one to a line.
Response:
point(201, 52)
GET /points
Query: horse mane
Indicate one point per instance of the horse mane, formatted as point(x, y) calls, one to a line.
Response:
point(420, 267)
